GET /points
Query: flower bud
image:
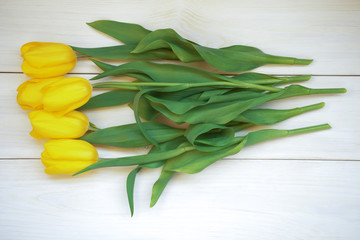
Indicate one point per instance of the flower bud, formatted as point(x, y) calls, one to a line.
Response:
point(47, 125)
point(67, 156)
point(60, 94)
point(66, 95)
point(44, 59)
point(30, 92)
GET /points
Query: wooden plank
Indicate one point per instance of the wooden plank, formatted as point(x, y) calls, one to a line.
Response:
point(322, 29)
point(231, 200)
point(341, 112)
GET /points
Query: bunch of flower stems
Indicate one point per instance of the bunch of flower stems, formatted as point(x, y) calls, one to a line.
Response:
point(212, 109)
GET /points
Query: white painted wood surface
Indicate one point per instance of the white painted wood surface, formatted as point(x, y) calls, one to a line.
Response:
point(302, 187)
point(234, 199)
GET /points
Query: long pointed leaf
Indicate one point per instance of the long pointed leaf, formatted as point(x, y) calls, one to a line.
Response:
point(130, 183)
point(160, 185)
point(129, 135)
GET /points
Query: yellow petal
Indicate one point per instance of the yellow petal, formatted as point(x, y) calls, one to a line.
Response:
point(47, 125)
point(67, 95)
point(30, 95)
point(66, 156)
point(48, 55)
point(66, 167)
point(26, 47)
point(70, 149)
point(35, 135)
point(47, 72)
point(44, 59)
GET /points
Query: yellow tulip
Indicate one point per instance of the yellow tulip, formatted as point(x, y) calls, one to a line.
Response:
point(47, 125)
point(60, 95)
point(30, 92)
point(44, 59)
point(66, 95)
point(67, 156)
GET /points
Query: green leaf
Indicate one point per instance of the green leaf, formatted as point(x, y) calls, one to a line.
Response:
point(138, 120)
point(209, 137)
point(130, 34)
point(221, 110)
point(130, 183)
point(162, 72)
point(160, 185)
point(109, 99)
point(106, 67)
point(127, 33)
point(129, 135)
point(272, 116)
point(229, 59)
point(195, 161)
point(167, 44)
point(124, 52)
point(146, 111)
point(218, 112)
point(168, 39)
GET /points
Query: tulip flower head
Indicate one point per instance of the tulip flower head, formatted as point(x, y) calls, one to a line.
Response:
point(60, 95)
point(66, 95)
point(30, 95)
point(67, 156)
point(47, 125)
point(45, 60)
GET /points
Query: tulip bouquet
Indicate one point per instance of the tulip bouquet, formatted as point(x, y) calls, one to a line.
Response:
point(212, 109)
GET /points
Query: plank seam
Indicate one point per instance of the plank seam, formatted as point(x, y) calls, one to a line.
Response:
point(225, 74)
point(231, 159)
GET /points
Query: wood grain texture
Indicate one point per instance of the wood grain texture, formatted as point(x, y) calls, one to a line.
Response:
point(312, 200)
point(341, 111)
point(326, 30)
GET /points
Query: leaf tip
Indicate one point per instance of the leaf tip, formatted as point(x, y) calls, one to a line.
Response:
point(91, 23)
point(299, 61)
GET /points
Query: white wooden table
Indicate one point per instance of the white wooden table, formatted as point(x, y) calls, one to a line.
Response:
point(302, 187)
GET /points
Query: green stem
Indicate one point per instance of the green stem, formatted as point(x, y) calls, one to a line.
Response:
point(327, 90)
point(301, 78)
point(80, 55)
point(269, 134)
point(280, 80)
point(309, 129)
point(271, 59)
point(111, 85)
point(298, 90)
point(310, 107)
point(126, 85)
point(136, 160)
